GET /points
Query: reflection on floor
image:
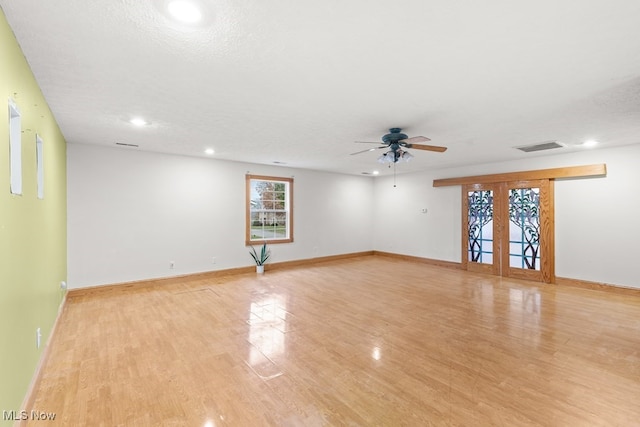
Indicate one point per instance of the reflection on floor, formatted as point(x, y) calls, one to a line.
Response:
point(367, 341)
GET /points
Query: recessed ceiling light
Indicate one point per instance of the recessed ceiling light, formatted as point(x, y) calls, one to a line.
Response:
point(209, 151)
point(590, 143)
point(376, 172)
point(138, 121)
point(184, 11)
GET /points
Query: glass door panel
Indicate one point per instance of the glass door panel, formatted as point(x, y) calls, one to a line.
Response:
point(480, 250)
point(524, 228)
point(529, 234)
point(507, 229)
point(480, 226)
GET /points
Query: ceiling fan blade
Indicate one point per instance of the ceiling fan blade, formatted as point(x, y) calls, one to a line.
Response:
point(427, 147)
point(416, 139)
point(369, 149)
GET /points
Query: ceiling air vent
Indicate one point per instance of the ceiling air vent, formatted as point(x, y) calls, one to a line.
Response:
point(126, 145)
point(547, 145)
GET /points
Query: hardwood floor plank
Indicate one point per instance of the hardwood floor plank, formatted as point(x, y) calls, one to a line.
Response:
point(366, 341)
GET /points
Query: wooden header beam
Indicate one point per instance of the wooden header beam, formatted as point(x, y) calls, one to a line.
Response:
point(556, 173)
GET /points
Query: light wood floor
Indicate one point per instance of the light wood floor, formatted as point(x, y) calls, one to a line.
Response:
point(368, 341)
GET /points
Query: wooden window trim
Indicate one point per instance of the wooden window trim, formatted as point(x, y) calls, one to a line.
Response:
point(248, 178)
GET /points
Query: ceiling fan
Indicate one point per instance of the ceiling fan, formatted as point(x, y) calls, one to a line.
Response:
point(396, 141)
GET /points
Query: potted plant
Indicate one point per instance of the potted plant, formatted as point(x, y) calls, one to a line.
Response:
point(260, 258)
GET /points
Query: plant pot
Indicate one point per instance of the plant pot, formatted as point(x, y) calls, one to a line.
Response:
point(260, 269)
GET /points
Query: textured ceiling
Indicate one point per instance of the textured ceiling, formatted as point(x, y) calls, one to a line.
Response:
point(299, 81)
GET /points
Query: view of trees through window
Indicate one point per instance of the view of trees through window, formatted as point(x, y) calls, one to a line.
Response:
point(269, 214)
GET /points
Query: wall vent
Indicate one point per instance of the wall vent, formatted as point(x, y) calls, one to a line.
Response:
point(547, 145)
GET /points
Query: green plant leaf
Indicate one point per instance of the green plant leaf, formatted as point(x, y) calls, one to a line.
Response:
point(262, 257)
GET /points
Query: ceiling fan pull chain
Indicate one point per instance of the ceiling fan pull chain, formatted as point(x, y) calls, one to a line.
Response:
point(394, 175)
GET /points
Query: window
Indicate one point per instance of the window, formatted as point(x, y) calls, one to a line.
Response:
point(269, 213)
point(15, 148)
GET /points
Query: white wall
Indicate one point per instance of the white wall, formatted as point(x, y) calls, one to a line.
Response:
point(400, 225)
point(597, 233)
point(130, 213)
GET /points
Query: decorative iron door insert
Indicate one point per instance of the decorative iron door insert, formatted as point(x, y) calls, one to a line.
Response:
point(479, 229)
point(481, 226)
point(508, 229)
point(529, 235)
point(524, 228)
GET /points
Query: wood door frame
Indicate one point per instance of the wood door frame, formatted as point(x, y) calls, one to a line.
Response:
point(548, 275)
point(500, 265)
point(493, 268)
point(594, 170)
point(547, 245)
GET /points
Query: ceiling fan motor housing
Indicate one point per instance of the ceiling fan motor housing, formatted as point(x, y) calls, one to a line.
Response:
point(394, 136)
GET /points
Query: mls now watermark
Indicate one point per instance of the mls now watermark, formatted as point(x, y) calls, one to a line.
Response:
point(32, 415)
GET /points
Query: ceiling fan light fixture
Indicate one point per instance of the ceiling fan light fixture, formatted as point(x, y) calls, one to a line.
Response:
point(405, 156)
point(397, 143)
point(387, 157)
point(395, 156)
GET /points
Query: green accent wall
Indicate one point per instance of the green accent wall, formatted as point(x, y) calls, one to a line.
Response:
point(33, 232)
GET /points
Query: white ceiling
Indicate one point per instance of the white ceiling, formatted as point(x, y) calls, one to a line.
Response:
point(299, 81)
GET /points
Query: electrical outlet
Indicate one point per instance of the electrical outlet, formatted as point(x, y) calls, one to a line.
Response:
point(213, 260)
point(38, 337)
point(171, 265)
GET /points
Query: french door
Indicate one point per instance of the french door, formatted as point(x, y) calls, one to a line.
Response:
point(507, 229)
